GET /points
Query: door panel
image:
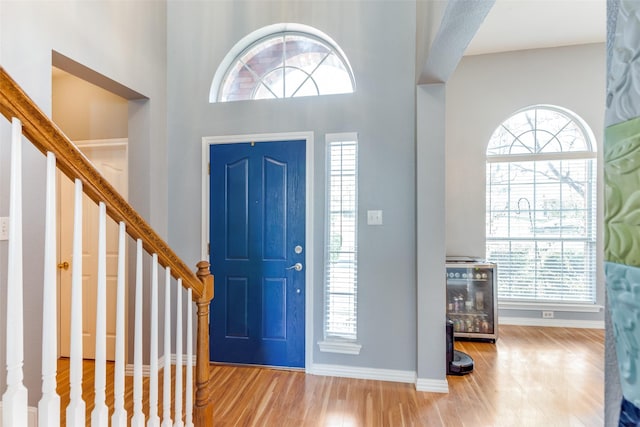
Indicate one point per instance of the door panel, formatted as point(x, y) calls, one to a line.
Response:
point(257, 219)
point(275, 209)
point(237, 210)
point(274, 308)
point(111, 162)
point(236, 306)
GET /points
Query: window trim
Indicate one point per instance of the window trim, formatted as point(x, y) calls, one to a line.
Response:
point(513, 158)
point(591, 205)
point(551, 306)
point(335, 343)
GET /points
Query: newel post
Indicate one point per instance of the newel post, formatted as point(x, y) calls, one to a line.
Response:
point(203, 410)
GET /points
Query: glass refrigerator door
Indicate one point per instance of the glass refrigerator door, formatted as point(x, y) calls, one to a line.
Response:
point(470, 300)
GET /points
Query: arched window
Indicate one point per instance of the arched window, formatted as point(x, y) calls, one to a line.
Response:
point(541, 206)
point(282, 61)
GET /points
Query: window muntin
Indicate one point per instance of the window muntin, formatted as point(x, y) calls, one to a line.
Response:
point(541, 207)
point(540, 130)
point(287, 64)
point(341, 278)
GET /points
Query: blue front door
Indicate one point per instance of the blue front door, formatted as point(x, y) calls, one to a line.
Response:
point(257, 238)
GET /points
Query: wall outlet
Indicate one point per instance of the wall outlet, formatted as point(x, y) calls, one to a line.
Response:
point(547, 314)
point(4, 228)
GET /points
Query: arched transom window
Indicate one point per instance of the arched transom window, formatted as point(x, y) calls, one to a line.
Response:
point(541, 206)
point(292, 61)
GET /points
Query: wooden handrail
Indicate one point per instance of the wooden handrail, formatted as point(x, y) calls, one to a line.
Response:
point(46, 136)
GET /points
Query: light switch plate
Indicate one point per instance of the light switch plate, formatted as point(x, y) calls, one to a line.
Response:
point(374, 217)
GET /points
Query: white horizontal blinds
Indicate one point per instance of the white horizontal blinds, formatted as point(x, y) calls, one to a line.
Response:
point(341, 278)
point(541, 208)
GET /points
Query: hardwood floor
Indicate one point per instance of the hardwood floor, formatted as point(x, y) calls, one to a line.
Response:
point(530, 377)
point(533, 377)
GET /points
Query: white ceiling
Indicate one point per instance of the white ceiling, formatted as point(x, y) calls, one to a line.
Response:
point(529, 24)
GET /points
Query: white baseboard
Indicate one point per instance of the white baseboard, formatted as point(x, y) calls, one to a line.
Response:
point(174, 359)
point(557, 323)
point(434, 386)
point(146, 370)
point(363, 373)
point(422, 384)
point(32, 416)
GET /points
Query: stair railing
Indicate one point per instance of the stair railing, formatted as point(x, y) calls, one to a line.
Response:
point(28, 120)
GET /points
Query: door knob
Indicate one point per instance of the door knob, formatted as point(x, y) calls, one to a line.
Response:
point(297, 267)
point(63, 265)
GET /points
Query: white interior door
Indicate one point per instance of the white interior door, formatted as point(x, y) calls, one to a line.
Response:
point(110, 158)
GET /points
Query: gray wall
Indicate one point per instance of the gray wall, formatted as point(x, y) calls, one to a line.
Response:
point(125, 41)
point(483, 92)
point(379, 40)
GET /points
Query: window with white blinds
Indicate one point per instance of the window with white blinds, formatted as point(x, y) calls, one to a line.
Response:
point(341, 268)
point(541, 207)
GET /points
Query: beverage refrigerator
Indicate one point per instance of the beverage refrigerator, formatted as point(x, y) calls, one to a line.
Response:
point(472, 303)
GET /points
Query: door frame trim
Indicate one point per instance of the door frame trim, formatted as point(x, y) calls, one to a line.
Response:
point(207, 141)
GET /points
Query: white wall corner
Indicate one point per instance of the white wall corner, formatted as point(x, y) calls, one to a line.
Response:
point(359, 373)
point(433, 386)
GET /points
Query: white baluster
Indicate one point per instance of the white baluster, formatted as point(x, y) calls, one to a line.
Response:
point(14, 400)
point(49, 405)
point(177, 392)
point(166, 384)
point(76, 408)
point(119, 417)
point(188, 399)
point(138, 415)
point(154, 419)
point(100, 413)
